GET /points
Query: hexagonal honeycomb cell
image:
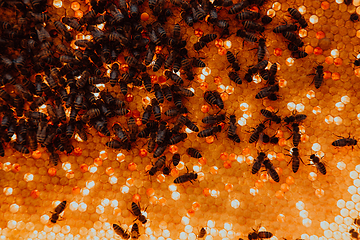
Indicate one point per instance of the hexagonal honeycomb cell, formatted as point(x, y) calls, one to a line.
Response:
point(78, 160)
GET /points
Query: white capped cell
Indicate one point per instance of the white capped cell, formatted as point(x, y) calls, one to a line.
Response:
point(350, 205)
point(344, 212)
point(339, 219)
point(334, 227)
point(324, 225)
point(341, 203)
point(211, 224)
point(235, 203)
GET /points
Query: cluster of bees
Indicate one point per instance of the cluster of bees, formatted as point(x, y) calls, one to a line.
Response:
point(39, 70)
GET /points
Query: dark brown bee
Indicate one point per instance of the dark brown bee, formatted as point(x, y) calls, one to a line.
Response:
point(159, 164)
point(176, 159)
point(260, 235)
point(208, 38)
point(232, 129)
point(20, 148)
point(253, 26)
point(54, 158)
point(294, 38)
point(209, 131)
point(202, 233)
point(235, 77)
point(182, 91)
point(116, 144)
point(298, 54)
point(213, 98)
point(174, 77)
point(357, 221)
point(167, 92)
point(271, 116)
point(120, 231)
point(73, 23)
point(265, 92)
point(2, 152)
point(295, 14)
point(238, 7)
point(248, 15)
point(246, 36)
point(345, 142)
point(136, 211)
point(295, 118)
point(314, 160)
point(296, 134)
point(295, 159)
point(58, 210)
point(120, 133)
point(199, 45)
point(160, 59)
point(272, 172)
point(161, 134)
point(232, 60)
point(133, 129)
point(178, 138)
point(286, 28)
point(192, 152)
point(114, 74)
point(354, 234)
point(134, 233)
point(258, 163)
point(266, 19)
point(256, 132)
point(187, 177)
point(261, 49)
point(319, 76)
point(156, 109)
point(213, 119)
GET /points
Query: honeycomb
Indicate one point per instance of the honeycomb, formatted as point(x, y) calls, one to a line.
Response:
point(100, 183)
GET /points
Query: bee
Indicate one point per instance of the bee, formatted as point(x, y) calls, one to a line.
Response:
point(202, 233)
point(271, 116)
point(345, 142)
point(314, 160)
point(191, 125)
point(261, 49)
point(42, 34)
point(175, 112)
point(235, 77)
point(209, 131)
point(73, 23)
point(199, 45)
point(292, 37)
point(160, 59)
point(260, 235)
point(208, 38)
point(114, 74)
point(160, 150)
point(232, 60)
point(187, 17)
point(54, 158)
point(136, 211)
point(295, 159)
point(187, 177)
point(213, 98)
point(258, 162)
point(159, 164)
point(357, 221)
point(120, 231)
point(182, 91)
point(120, 133)
point(354, 234)
point(117, 15)
point(58, 210)
point(253, 26)
point(161, 134)
point(134, 233)
point(298, 54)
point(64, 31)
point(116, 144)
point(170, 59)
point(286, 28)
point(213, 119)
point(296, 134)
point(178, 138)
point(176, 159)
point(319, 76)
point(238, 7)
point(156, 109)
point(20, 148)
point(224, 3)
point(174, 77)
point(232, 129)
point(192, 152)
point(348, 2)
point(295, 14)
point(167, 92)
point(256, 132)
point(248, 15)
point(266, 19)
point(295, 118)
point(246, 36)
point(2, 152)
point(267, 91)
